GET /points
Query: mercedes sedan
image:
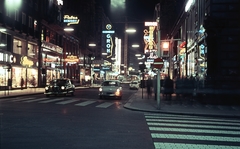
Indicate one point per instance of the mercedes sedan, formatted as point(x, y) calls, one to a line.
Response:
point(110, 88)
point(60, 87)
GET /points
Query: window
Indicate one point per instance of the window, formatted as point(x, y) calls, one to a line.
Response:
point(23, 18)
point(8, 13)
point(35, 25)
point(16, 17)
point(19, 47)
point(30, 22)
point(32, 50)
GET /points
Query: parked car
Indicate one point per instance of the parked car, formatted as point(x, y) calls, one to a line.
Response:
point(60, 87)
point(110, 88)
point(134, 85)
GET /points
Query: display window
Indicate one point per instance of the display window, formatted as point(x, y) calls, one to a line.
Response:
point(4, 75)
point(52, 74)
point(32, 77)
point(17, 73)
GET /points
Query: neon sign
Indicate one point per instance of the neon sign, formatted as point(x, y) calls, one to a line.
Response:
point(70, 19)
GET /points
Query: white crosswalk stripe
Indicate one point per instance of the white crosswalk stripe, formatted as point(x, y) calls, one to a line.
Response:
point(76, 101)
point(66, 102)
point(85, 103)
point(105, 105)
point(22, 99)
point(52, 100)
point(178, 131)
point(34, 100)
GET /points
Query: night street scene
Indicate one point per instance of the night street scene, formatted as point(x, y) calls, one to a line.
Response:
point(119, 74)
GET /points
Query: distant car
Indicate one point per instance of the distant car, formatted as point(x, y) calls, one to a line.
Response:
point(60, 87)
point(134, 85)
point(110, 88)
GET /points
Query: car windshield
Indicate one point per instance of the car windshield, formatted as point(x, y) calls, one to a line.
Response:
point(110, 83)
point(58, 82)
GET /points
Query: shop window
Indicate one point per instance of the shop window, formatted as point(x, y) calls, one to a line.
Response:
point(19, 47)
point(23, 18)
point(32, 50)
point(16, 17)
point(30, 22)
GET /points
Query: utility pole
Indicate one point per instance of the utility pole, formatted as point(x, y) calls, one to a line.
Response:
point(125, 53)
point(157, 8)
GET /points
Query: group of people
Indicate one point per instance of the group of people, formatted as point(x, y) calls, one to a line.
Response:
point(183, 86)
point(167, 89)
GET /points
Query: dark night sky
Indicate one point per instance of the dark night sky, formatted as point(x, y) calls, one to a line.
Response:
point(136, 11)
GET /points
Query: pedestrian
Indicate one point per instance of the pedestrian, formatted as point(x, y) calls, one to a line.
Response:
point(149, 87)
point(155, 87)
point(22, 83)
point(168, 88)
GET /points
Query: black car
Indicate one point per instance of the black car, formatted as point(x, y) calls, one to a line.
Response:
point(60, 87)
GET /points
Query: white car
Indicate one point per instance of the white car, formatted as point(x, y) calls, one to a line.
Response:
point(110, 88)
point(134, 85)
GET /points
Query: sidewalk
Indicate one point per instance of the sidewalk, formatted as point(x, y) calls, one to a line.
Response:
point(178, 105)
point(140, 102)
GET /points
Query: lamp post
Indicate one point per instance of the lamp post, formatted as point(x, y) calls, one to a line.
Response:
point(157, 8)
point(127, 30)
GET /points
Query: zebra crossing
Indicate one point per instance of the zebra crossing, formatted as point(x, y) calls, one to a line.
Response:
point(81, 102)
point(188, 132)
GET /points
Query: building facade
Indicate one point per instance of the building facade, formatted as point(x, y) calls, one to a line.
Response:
point(209, 43)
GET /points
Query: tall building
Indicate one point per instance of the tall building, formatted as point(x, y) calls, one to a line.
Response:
point(208, 46)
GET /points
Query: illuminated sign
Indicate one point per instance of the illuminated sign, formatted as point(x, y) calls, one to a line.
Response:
point(70, 19)
point(71, 59)
point(60, 2)
point(5, 57)
point(149, 39)
point(26, 62)
point(108, 40)
point(52, 47)
point(150, 23)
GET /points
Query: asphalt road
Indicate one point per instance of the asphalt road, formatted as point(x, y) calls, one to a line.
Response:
point(81, 121)
point(87, 122)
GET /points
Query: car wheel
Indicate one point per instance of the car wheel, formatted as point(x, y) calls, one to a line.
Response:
point(72, 93)
point(47, 95)
point(100, 97)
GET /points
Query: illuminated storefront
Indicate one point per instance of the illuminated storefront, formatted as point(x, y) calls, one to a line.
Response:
point(51, 62)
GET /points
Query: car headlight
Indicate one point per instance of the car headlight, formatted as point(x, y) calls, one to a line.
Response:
point(118, 91)
point(100, 89)
point(46, 88)
point(62, 87)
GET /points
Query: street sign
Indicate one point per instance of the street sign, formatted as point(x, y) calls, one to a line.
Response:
point(158, 63)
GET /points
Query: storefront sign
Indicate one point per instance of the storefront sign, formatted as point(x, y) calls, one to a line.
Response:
point(26, 62)
point(71, 59)
point(149, 39)
point(108, 40)
point(52, 47)
point(5, 57)
point(70, 19)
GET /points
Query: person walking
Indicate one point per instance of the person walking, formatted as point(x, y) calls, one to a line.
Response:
point(22, 83)
point(149, 87)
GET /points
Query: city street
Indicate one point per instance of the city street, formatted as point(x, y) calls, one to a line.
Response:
point(84, 121)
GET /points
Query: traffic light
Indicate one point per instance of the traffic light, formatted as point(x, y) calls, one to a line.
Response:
point(165, 49)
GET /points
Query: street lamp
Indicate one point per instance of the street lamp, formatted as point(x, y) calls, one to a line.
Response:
point(127, 30)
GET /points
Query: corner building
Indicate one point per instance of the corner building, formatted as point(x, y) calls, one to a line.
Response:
point(209, 46)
